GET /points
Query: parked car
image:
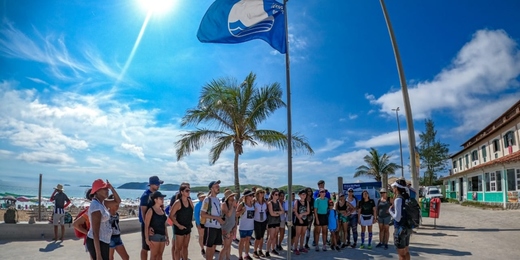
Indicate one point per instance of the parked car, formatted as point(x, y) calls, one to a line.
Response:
point(432, 192)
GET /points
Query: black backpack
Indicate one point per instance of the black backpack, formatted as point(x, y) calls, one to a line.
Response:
point(411, 213)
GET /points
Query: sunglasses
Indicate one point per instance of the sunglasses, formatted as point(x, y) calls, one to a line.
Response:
point(276, 194)
point(187, 190)
point(322, 191)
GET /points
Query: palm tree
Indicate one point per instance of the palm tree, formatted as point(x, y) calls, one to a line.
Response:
point(377, 167)
point(235, 111)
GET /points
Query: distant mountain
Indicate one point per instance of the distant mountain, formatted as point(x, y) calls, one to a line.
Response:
point(144, 185)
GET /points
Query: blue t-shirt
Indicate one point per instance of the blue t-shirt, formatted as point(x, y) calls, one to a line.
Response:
point(144, 202)
point(332, 219)
point(196, 212)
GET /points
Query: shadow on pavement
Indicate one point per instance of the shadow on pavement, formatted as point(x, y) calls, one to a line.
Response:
point(438, 251)
point(51, 247)
point(438, 227)
point(438, 234)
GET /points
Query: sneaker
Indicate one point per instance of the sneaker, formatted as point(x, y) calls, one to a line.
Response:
point(248, 258)
point(255, 255)
point(267, 254)
point(386, 246)
point(303, 250)
point(279, 248)
point(261, 254)
point(307, 247)
point(344, 245)
point(369, 247)
point(362, 246)
point(337, 248)
point(379, 245)
point(317, 249)
point(353, 245)
point(313, 243)
point(324, 248)
point(275, 252)
point(296, 252)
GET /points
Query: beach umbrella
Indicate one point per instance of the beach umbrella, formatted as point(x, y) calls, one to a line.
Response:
point(9, 197)
point(23, 199)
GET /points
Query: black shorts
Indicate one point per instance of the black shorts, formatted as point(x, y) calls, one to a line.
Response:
point(143, 240)
point(212, 236)
point(104, 247)
point(324, 220)
point(300, 224)
point(183, 232)
point(276, 225)
point(260, 228)
point(402, 237)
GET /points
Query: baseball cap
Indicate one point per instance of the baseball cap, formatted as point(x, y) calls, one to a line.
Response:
point(213, 183)
point(154, 180)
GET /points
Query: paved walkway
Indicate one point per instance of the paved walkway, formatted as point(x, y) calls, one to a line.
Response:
point(461, 232)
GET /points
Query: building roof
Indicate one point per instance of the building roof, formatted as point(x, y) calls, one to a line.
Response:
point(511, 114)
point(510, 158)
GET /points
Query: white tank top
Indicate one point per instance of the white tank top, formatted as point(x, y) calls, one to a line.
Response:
point(247, 221)
point(260, 212)
point(353, 203)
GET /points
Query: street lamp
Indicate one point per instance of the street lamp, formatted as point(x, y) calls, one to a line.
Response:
point(400, 144)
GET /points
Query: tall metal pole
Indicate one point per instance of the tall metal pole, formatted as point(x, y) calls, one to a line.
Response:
point(406, 99)
point(289, 134)
point(400, 143)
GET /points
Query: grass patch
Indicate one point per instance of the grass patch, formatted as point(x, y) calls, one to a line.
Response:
point(456, 201)
point(480, 205)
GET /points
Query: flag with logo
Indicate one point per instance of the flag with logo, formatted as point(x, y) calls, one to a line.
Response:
point(237, 21)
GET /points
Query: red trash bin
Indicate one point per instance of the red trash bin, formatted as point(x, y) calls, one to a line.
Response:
point(435, 208)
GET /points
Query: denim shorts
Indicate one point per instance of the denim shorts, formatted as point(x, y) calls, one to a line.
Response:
point(158, 238)
point(384, 221)
point(115, 241)
point(245, 233)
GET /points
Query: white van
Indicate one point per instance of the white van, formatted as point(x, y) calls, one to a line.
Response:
point(432, 192)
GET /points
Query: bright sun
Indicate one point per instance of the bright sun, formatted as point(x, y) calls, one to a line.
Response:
point(157, 6)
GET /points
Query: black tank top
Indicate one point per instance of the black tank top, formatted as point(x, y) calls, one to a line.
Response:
point(342, 208)
point(158, 223)
point(184, 215)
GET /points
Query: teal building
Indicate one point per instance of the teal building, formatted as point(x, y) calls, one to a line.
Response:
point(487, 169)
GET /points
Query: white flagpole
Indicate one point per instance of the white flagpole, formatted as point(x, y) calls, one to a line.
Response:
point(289, 134)
point(406, 100)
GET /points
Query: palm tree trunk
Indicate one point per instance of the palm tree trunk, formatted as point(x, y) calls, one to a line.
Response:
point(385, 181)
point(237, 182)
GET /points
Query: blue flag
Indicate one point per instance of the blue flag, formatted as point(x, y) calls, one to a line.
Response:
point(236, 21)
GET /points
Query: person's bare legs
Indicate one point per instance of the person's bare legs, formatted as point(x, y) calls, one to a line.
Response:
point(324, 230)
point(55, 233)
point(62, 232)
point(281, 235)
point(317, 231)
point(144, 254)
point(210, 251)
point(121, 250)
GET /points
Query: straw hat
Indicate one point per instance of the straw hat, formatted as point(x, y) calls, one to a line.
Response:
point(59, 187)
point(228, 194)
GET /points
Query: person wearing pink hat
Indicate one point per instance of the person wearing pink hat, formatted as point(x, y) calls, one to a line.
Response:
point(100, 232)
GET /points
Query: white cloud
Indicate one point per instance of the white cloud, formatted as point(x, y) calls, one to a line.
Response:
point(350, 159)
point(330, 145)
point(46, 158)
point(484, 70)
point(386, 139)
point(133, 149)
point(352, 116)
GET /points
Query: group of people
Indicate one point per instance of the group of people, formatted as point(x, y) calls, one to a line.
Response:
point(251, 216)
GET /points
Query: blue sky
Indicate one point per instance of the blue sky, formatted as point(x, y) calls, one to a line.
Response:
point(79, 100)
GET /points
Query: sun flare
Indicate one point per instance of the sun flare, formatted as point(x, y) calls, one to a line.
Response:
point(157, 6)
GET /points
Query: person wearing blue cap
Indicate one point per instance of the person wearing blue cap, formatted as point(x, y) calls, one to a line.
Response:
point(153, 185)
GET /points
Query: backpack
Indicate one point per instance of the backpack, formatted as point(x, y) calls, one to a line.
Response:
point(86, 225)
point(412, 213)
point(68, 218)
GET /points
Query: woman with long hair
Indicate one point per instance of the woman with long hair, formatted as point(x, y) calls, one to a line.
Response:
point(168, 210)
point(383, 218)
point(343, 209)
point(401, 231)
point(155, 218)
point(283, 218)
point(260, 222)
point(310, 218)
point(181, 214)
point(246, 211)
point(116, 244)
point(353, 220)
point(321, 219)
point(367, 217)
point(273, 221)
point(100, 232)
point(301, 211)
point(229, 210)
